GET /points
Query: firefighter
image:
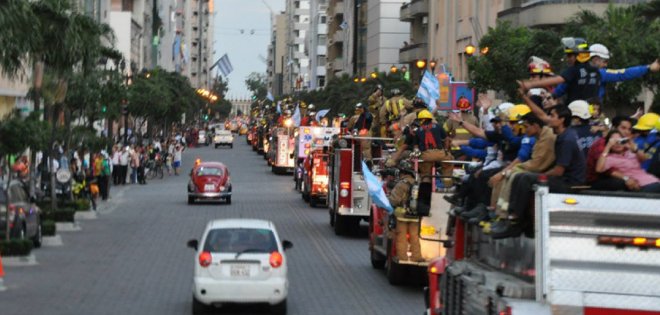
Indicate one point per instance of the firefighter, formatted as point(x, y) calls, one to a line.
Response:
point(393, 110)
point(282, 120)
point(430, 142)
point(407, 221)
point(360, 125)
point(310, 118)
point(453, 128)
point(376, 100)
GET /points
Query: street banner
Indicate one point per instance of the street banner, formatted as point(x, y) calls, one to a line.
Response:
point(462, 96)
point(375, 188)
point(445, 91)
point(270, 96)
point(429, 90)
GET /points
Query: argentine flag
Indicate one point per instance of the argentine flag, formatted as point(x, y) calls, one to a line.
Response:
point(375, 188)
point(429, 90)
point(296, 117)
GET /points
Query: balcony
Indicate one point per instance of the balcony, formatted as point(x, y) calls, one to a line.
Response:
point(413, 52)
point(415, 8)
point(320, 71)
point(321, 50)
point(547, 14)
point(338, 65)
point(322, 29)
point(338, 37)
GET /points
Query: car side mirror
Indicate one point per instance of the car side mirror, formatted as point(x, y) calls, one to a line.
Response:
point(287, 244)
point(193, 244)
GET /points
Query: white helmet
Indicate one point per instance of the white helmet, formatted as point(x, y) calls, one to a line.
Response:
point(599, 50)
point(502, 108)
point(580, 109)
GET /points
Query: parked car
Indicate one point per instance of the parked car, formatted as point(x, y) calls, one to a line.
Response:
point(240, 261)
point(222, 138)
point(209, 181)
point(24, 214)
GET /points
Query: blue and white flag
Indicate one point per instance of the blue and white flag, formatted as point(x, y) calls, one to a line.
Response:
point(321, 114)
point(375, 187)
point(296, 117)
point(279, 107)
point(225, 65)
point(270, 96)
point(343, 25)
point(429, 90)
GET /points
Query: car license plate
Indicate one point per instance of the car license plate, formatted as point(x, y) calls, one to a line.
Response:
point(209, 187)
point(240, 271)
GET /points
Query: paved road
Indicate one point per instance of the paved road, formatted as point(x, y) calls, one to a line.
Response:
point(133, 258)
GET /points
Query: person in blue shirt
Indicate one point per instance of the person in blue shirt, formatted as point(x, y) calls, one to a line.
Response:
point(646, 137)
point(602, 56)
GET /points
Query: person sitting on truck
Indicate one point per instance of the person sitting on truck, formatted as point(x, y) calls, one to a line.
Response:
point(622, 155)
point(646, 137)
point(607, 180)
point(360, 125)
point(581, 115)
point(569, 170)
point(407, 221)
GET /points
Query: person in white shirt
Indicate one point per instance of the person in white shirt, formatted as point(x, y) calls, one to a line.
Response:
point(116, 174)
point(123, 165)
point(178, 152)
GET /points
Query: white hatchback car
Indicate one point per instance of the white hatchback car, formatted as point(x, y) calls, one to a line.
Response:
point(240, 261)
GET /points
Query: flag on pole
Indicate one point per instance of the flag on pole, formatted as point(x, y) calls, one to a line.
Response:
point(321, 114)
point(270, 96)
point(375, 188)
point(296, 117)
point(343, 25)
point(429, 90)
point(224, 64)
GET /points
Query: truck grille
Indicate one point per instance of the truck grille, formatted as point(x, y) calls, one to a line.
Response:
point(453, 294)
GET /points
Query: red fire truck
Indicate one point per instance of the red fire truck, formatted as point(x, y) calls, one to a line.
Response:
point(432, 208)
point(281, 147)
point(315, 143)
point(590, 253)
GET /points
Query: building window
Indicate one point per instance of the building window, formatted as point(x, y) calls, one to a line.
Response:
point(323, 19)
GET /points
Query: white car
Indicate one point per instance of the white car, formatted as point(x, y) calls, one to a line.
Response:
point(201, 138)
point(240, 261)
point(223, 137)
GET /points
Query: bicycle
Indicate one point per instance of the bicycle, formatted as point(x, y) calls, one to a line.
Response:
point(154, 169)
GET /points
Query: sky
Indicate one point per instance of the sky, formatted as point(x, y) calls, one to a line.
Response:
point(244, 50)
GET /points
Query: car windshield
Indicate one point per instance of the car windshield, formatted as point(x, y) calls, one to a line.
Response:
point(236, 240)
point(209, 171)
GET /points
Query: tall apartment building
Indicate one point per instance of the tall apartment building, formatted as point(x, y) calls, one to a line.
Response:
point(198, 41)
point(385, 34)
point(316, 43)
point(296, 70)
point(341, 19)
point(277, 53)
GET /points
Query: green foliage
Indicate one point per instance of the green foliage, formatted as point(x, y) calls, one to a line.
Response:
point(342, 93)
point(256, 83)
point(15, 247)
point(19, 133)
point(59, 215)
point(48, 228)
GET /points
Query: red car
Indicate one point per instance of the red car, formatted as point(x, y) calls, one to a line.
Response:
point(209, 180)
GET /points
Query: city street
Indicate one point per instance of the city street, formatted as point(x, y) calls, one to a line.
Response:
point(133, 259)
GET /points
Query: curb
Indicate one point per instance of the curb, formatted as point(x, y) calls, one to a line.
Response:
point(85, 215)
point(67, 226)
point(20, 261)
point(52, 241)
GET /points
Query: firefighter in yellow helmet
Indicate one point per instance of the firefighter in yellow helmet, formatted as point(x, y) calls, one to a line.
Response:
point(376, 101)
point(407, 220)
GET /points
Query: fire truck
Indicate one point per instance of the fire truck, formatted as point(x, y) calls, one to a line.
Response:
point(348, 198)
point(281, 146)
point(432, 208)
point(313, 144)
point(589, 253)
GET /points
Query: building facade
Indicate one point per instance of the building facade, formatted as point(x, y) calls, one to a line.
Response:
point(316, 43)
point(296, 69)
point(277, 54)
point(385, 35)
point(340, 59)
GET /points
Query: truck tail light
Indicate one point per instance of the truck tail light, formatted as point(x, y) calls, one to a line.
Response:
point(275, 259)
point(506, 311)
point(642, 242)
point(205, 259)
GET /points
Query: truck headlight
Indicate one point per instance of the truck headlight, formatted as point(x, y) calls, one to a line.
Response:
point(343, 192)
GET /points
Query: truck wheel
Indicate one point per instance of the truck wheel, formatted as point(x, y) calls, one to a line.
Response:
point(216, 145)
point(394, 271)
point(312, 202)
point(305, 196)
point(231, 146)
point(377, 259)
point(341, 224)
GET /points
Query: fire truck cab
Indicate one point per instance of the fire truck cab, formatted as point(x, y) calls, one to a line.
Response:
point(281, 145)
point(313, 145)
point(589, 253)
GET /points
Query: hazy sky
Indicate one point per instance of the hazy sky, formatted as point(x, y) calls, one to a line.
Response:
point(244, 50)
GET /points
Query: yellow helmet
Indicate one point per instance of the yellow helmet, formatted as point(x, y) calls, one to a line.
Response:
point(424, 114)
point(648, 121)
point(517, 111)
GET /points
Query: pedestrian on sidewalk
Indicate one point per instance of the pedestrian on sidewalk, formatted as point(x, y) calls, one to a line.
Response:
point(116, 171)
point(178, 153)
point(143, 158)
point(123, 164)
point(135, 162)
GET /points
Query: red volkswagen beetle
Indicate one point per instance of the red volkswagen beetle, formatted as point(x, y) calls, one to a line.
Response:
point(209, 180)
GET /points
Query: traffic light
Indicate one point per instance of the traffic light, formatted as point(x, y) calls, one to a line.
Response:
point(104, 109)
point(254, 97)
